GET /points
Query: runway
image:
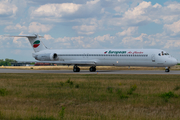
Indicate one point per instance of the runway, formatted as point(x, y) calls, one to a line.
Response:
point(87, 72)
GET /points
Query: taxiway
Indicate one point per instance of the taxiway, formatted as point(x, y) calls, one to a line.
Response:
point(87, 72)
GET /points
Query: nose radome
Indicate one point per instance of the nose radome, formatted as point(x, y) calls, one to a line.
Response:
point(174, 61)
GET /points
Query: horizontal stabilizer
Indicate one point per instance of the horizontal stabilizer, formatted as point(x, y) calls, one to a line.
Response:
point(28, 36)
point(34, 40)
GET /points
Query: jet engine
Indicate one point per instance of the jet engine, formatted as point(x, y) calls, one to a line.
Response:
point(46, 57)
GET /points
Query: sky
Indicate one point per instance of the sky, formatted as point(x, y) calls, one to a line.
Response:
point(89, 24)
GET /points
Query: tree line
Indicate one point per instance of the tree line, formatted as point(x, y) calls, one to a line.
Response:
point(6, 62)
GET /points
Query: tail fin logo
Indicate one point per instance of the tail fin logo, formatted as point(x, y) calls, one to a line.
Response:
point(36, 43)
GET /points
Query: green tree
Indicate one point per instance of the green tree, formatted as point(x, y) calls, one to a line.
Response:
point(6, 62)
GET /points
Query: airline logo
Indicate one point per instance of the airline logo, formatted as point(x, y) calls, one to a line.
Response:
point(135, 52)
point(36, 43)
point(115, 52)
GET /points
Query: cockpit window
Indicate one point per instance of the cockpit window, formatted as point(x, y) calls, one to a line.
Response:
point(162, 53)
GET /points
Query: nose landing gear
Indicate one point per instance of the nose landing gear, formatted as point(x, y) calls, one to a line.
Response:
point(76, 68)
point(167, 69)
point(92, 69)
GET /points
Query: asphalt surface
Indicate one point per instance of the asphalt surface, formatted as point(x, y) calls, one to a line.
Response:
point(87, 72)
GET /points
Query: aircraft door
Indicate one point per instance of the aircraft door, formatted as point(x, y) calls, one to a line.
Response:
point(153, 57)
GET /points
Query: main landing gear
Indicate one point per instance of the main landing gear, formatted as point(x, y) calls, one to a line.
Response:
point(167, 69)
point(76, 68)
point(92, 69)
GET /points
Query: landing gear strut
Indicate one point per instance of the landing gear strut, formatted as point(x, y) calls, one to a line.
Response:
point(92, 69)
point(167, 69)
point(76, 68)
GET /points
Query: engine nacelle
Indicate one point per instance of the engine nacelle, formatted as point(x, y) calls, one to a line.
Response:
point(46, 57)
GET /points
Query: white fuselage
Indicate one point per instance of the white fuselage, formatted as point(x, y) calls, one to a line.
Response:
point(108, 57)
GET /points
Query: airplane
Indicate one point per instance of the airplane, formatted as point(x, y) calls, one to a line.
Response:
point(100, 57)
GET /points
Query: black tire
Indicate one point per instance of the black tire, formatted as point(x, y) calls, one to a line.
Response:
point(167, 70)
point(92, 69)
point(78, 69)
point(74, 69)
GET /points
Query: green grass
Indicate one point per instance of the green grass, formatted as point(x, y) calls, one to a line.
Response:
point(42, 118)
point(85, 96)
point(3, 92)
point(177, 88)
point(166, 96)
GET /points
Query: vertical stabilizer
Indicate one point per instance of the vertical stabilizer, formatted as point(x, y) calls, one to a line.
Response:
point(35, 42)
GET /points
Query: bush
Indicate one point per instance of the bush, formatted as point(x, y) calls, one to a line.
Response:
point(169, 95)
point(69, 80)
point(177, 88)
point(77, 86)
point(119, 91)
point(61, 83)
point(3, 92)
point(110, 89)
point(132, 88)
point(61, 113)
point(42, 118)
point(122, 96)
point(71, 83)
point(129, 92)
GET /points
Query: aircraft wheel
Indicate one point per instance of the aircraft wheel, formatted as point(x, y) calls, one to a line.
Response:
point(167, 70)
point(92, 69)
point(76, 69)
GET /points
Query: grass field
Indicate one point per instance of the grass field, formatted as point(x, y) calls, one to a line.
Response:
point(99, 97)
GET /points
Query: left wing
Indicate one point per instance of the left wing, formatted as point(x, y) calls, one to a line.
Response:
point(71, 62)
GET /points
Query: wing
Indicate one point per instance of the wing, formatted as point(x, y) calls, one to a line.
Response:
point(71, 62)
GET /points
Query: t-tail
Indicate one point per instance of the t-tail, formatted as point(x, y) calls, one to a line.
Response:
point(35, 42)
